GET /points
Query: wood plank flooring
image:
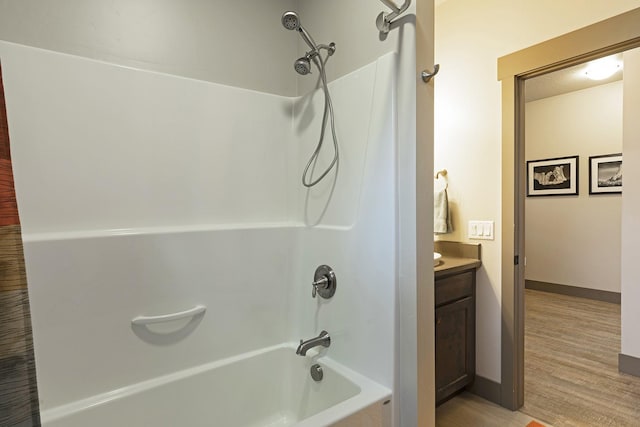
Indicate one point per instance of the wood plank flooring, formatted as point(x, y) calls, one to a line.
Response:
point(571, 363)
point(469, 410)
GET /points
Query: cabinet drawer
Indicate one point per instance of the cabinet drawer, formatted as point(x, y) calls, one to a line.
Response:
point(453, 288)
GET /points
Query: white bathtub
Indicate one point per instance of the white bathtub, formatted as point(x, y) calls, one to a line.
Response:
point(269, 387)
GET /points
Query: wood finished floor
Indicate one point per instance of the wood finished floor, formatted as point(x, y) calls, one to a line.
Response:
point(571, 363)
point(468, 410)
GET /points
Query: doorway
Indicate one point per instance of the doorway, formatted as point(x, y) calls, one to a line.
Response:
point(611, 36)
point(573, 136)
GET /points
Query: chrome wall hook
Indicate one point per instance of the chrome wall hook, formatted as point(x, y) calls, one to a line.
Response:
point(384, 20)
point(427, 76)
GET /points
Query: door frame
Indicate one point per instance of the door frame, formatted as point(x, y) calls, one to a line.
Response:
point(424, 397)
point(613, 35)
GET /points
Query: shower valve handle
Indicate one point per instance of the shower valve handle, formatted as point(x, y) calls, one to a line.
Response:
point(324, 282)
point(321, 284)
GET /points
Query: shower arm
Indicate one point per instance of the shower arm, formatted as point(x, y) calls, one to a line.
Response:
point(384, 20)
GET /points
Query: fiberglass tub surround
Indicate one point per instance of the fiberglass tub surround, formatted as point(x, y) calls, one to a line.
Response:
point(270, 387)
point(194, 198)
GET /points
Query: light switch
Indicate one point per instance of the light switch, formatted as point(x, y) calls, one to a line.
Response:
point(481, 230)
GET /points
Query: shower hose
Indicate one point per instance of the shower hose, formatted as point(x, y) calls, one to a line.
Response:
point(327, 114)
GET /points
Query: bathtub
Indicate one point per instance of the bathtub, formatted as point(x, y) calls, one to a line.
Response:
point(269, 387)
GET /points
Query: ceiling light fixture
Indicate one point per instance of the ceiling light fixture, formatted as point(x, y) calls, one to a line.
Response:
point(603, 68)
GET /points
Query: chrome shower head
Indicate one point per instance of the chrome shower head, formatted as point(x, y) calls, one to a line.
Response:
point(302, 66)
point(290, 20)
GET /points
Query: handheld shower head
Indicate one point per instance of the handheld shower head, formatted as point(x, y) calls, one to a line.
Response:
point(290, 20)
point(302, 66)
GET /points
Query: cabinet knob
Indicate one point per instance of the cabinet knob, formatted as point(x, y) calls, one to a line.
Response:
point(438, 320)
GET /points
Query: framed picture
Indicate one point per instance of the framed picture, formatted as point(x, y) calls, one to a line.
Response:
point(552, 177)
point(605, 174)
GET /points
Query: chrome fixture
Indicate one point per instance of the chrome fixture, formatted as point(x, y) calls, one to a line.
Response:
point(291, 21)
point(316, 372)
point(321, 340)
point(428, 75)
point(384, 20)
point(302, 66)
point(324, 282)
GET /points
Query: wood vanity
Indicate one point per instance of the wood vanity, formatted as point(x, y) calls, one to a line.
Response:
point(455, 322)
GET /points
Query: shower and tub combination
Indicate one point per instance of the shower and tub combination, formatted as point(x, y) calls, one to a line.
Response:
point(206, 306)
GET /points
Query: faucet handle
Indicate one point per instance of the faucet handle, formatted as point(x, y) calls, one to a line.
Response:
point(320, 284)
point(324, 282)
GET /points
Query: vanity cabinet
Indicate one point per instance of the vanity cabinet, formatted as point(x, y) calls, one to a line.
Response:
point(455, 323)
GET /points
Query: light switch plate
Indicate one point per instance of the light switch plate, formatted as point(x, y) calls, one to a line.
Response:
point(481, 230)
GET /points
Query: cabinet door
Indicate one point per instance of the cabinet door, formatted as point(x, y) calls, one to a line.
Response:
point(455, 347)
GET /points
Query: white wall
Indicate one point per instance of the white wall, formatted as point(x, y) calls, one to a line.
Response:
point(144, 193)
point(362, 200)
point(107, 147)
point(575, 240)
point(470, 37)
point(631, 206)
point(237, 43)
point(85, 291)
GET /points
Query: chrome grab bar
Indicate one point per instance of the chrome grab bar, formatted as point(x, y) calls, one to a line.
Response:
point(146, 320)
point(384, 20)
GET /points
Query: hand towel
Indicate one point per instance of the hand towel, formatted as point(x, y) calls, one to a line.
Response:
point(441, 216)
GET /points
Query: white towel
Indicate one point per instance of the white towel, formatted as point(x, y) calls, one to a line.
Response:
point(441, 215)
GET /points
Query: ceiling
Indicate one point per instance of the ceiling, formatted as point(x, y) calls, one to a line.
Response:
point(564, 81)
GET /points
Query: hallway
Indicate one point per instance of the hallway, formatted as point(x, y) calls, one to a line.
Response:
point(571, 363)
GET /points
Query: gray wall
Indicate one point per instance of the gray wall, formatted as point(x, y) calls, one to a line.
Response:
point(237, 43)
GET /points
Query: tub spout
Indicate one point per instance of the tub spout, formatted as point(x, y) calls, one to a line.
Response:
point(323, 339)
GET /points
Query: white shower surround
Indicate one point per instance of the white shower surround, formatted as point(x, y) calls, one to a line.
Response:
point(236, 392)
point(145, 193)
